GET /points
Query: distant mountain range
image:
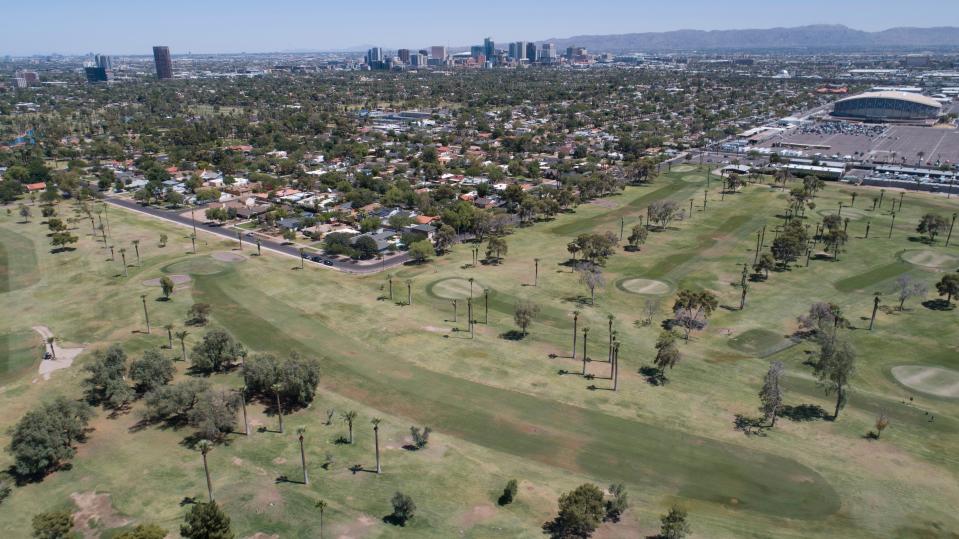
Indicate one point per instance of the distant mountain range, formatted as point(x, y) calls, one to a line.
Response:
point(814, 37)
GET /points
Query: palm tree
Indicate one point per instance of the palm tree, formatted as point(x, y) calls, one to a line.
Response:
point(349, 417)
point(53, 351)
point(205, 446)
point(471, 286)
point(146, 314)
point(611, 317)
point(182, 336)
point(376, 440)
point(409, 291)
point(169, 335)
point(123, 256)
point(246, 422)
point(302, 256)
point(136, 248)
point(279, 409)
point(585, 334)
point(321, 505)
point(389, 279)
point(536, 272)
point(193, 240)
point(299, 434)
point(575, 320)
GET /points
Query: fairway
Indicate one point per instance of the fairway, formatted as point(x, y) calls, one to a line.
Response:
point(759, 342)
point(203, 265)
point(20, 352)
point(937, 381)
point(929, 258)
point(18, 261)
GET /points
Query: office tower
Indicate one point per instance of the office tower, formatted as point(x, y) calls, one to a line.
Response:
point(512, 50)
point(476, 51)
point(520, 50)
point(104, 61)
point(547, 52)
point(438, 52)
point(404, 55)
point(488, 47)
point(101, 71)
point(569, 53)
point(418, 59)
point(531, 52)
point(164, 65)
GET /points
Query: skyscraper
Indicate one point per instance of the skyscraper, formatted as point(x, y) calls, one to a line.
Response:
point(547, 52)
point(404, 55)
point(488, 47)
point(164, 65)
point(104, 61)
point(531, 52)
point(101, 71)
point(438, 52)
point(520, 51)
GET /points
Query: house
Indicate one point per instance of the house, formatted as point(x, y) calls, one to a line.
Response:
point(381, 238)
point(34, 187)
point(289, 223)
point(424, 231)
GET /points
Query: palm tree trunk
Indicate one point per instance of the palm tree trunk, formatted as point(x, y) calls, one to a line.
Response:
point(209, 484)
point(574, 336)
point(183, 348)
point(376, 440)
point(839, 393)
point(306, 476)
point(279, 411)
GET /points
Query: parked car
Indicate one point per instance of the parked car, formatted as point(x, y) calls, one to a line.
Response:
point(327, 262)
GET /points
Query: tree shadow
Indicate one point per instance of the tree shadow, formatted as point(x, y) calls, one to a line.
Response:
point(512, 335)
point(653, 376)
point(750, 426)
point(285, 479)
point(938, 304)
point(804, 412)
point(394, 520)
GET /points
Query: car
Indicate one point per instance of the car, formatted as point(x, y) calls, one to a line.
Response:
point(249, 234)
point(327, 262)
point(47, 355)
point(316, 258)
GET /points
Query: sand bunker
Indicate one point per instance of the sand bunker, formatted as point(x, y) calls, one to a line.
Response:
point(938, 381)
point(224, 256)
point(645, 287)
point(64, 356)
point(177, 280)
point(456, 288)
point(931, 259)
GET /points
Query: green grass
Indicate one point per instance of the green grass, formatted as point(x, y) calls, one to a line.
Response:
point(19, 354)
point(503, 408)
point(18, 261)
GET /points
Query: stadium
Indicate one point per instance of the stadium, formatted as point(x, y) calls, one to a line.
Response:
point(888, 106)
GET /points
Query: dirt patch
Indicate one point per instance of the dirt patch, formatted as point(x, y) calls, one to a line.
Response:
point(938, 381)
point(434, 329)
point(224, 256)
point(355, 529)
point(279, 460)
point(477, 514)
point(261, 535)
point(237, 461)
point(178, 279)
point(64, 356)
point(607, 203)
point(95, 513)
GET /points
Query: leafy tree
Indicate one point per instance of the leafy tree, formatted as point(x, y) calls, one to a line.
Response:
point(365, 248)
point(765, 263)
point(790, 243)
point(931, 225)
point(444, 238)
point(948, 286)
point(618, 503)
point(674, 524)
point(143, 531)
point(105, 382)
point(421, 251)
point(509, 493)
point(771, 394)
point(297, 377)
point(214, 413)
point(60, 240)
point(637, 237)
point(206, 521)
point(174, 401)
point(580, 513)
point(662, 212)
point(692, 309)
point(836, 365)
point(524, 314)
point(667, 353)
point(496, 249)
point(166, 285)
point(198, 314)
point(52, 525)
point(151, 371)
point(403, 508)
point(882, 421)
point(43, 438)
point(216, 352)
point(420, 438)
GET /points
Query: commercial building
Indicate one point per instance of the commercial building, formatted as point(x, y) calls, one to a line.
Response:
point(164, 64)
point(375, 58)
point(888, 106)
point(404, 55)
point(101, 70)
point(418, 59)
point(488, 48)
point(531, 52)
point(438, 52)
point(547, 52)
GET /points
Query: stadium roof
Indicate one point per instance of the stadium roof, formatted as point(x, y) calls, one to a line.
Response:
point(901, 96)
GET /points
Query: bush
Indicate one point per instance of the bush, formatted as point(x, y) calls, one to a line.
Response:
point(206, 521)
point(509, 493)
point(403, 509)
point(52, 525)
point(420, 438)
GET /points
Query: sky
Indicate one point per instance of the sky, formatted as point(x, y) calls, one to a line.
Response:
point(211, 26)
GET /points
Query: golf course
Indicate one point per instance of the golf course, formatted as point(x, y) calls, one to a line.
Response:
point(504, 404)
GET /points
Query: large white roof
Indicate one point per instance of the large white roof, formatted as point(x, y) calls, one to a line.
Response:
point(901, 96)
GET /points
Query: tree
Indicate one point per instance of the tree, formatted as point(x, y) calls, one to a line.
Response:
point(43, 438)
point(205, 446)
point(421, 251)
point(637, 237)
point(403, 508)
point(931, 225)
point(300, 432)
point(882, 421)
point(836, 365)
point(376, 441)
point(674, 525)
point(420, 438)
point(771, 394)
point(692, 309)
point(619, 502)
point(213, 414)
point(908, 287)
point(52, 525)
point(198, 314)
point(151, 371)
point(206, 521)
point(765, 263)
point(143, 531)
point(25, 212)
point(948, 286)
point(105, 382)
point(166, 285)
point(174, 401)
point(580, 513)
point(444, 238)
point(296, 376)
point(321, 505)
point(216, 352)
point(509, 493)
point(667, 353)
point(834, 240)
point(364, 248)
point(592, 278)
point(349, 417)
point(60, 240)
point(181, 336)
point(662, 212)
point(496, 249)
point(524, 314)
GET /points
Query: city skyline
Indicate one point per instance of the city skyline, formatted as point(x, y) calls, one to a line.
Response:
point(295, 25)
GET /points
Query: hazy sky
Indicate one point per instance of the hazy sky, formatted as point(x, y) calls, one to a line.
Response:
point(134, 26)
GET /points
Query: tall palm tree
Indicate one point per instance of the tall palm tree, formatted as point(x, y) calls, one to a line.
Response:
point(409, 291)
point(299, 434)
point(53, 351)
point(123, 256)
point(321, 505)
point(389, 279)
point(205, 446)
point(615, 365)
point(241, 393)
point(611, 317)
point(376, 441)
point(169, 335)
point(536, 272)
point(279, 408)
point(182, 336)
point(585, 334)
point(146, 314)
point(136, 248)
point(575, 320)
point(349, 417)
point(471, 286)
point(302, 256)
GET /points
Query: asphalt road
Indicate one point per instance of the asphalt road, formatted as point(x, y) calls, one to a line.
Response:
point(229, 233)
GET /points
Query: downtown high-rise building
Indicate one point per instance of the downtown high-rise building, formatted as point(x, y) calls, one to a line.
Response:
point(438, 52)
point(488, 47)
point(403, 55)
point(531, 52)
point(547, 52)
point(520, 48)
point(164, 64)
point(101, 70)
